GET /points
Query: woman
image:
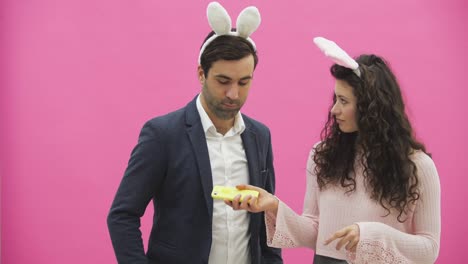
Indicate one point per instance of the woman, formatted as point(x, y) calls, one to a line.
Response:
point(373, 192)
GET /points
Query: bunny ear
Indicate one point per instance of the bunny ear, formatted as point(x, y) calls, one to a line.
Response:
point(218, 18)
point(337, 54)
point(248, 21)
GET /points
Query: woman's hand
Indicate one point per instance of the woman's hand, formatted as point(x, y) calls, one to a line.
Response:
point(348, 236)
point(265, 201)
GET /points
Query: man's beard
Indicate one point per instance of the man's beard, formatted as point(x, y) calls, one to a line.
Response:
point(216, 106)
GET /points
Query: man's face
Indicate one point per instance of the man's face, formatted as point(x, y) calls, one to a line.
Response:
point(226, 87)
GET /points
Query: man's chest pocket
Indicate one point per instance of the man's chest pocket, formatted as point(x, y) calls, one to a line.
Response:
point(264, 174)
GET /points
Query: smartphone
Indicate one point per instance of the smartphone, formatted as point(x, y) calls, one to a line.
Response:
point(228, 193)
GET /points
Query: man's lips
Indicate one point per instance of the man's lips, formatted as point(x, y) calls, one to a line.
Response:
point(228, 105)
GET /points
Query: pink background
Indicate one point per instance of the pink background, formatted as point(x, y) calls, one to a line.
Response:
point(80, 77)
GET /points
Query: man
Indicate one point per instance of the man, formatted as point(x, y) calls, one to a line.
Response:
point(182, 155)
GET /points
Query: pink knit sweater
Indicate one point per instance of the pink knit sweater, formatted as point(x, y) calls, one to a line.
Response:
point(382, 238)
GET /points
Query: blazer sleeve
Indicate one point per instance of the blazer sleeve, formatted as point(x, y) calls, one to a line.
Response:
point(269, 254)
point(141, 181)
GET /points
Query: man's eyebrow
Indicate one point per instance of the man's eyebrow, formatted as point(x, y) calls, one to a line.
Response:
point(223, 76)
point(229, 78)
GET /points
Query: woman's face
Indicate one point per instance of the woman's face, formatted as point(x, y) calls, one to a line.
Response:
point(344, 109)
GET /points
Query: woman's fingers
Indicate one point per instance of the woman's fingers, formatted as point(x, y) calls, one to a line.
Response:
point(343, 241)
point(351, 246)
point(251, 203)
point(348, 237)
point(336, 235)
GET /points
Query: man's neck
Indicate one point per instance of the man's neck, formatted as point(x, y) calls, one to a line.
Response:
point(222, 126)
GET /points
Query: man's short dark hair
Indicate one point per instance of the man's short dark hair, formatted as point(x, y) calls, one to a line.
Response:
point(226, 47)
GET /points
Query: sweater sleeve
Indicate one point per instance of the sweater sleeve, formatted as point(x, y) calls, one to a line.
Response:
point(382, 244)
point(288, 229)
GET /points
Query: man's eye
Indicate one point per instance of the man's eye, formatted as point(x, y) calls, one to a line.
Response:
point(343, 101)
point(243, 83)
point(223, 82)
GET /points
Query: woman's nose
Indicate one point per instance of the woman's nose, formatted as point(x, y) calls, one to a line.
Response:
point(335, 109)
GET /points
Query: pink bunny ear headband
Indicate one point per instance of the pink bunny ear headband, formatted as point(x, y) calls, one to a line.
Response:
point(337, 54)
point(219, 20)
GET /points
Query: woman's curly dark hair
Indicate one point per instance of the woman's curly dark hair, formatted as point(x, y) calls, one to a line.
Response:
point(383, 143)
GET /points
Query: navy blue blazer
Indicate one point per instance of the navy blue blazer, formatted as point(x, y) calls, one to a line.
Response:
point(170, 165)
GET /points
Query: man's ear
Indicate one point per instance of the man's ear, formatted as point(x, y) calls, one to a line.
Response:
point(201, 75)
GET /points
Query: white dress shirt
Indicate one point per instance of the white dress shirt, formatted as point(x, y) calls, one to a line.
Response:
point(230, 230)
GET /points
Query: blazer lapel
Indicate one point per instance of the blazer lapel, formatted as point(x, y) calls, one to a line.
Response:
point(198, 140)
point(249, 139)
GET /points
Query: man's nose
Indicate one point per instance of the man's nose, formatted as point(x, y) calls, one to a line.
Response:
point(233, 92)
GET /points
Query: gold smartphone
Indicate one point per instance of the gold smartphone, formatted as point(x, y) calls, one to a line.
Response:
point(228, 193)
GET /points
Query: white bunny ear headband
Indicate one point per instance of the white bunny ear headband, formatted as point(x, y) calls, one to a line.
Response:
point(337, 54)
point(219, 20)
